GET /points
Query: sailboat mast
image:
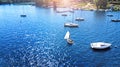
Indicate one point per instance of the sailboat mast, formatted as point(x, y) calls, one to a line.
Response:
point(72, 16)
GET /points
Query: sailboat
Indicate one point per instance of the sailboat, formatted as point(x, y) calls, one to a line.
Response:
point(116, 20)
point(67, 37)
point(23, 15)
point(71, 24)
point(79, 19)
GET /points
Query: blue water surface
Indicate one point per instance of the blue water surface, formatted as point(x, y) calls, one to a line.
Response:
point(38, 39)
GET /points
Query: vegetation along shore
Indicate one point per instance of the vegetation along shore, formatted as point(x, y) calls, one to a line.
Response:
point(75, 4)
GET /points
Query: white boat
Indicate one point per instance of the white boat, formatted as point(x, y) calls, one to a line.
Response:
point(67, 37)
point(69, 24)
point(79, 19)
point(70, 41)
point(100, 45)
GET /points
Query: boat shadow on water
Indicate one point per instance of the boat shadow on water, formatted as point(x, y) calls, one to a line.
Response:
point(99, 50)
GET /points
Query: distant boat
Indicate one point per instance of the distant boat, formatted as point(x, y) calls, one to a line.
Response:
point(61, 11)
point(23, 15)
point(115, 20)
point(69, 24)
point(64, 14)
point(71, 10)
point(110, 15)
point(100, 45)
point(67, 37)
point(79, 19)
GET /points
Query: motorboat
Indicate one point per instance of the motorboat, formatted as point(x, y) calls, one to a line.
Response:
point(68, 39)
point(79, 19)
point(100, 45)
point(115, 20)
point(69, 24)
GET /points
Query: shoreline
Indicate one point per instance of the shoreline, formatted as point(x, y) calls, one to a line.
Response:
point(81, 6)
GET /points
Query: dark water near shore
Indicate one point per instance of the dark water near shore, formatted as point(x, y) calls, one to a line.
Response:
point(38, 39)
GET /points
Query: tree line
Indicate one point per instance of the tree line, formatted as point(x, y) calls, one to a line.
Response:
point(100, 4)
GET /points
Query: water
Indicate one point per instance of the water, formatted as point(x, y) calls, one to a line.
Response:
point(38, 39)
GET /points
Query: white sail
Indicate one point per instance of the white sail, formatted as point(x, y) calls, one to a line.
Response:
point(67, 36)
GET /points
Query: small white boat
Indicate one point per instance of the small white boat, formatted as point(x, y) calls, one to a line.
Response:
point(67, 37)
point(115, 20)
point(100, 45)
point(79, 19)
point(70, 24)
point(70, 41)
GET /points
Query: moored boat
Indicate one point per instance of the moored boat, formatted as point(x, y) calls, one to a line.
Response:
point(64, 14)
point(79, 19)
point(70, 41)
point(115, 20)
point(100, 45)
point(23, 15)
point(110, 15)
point(69, 24)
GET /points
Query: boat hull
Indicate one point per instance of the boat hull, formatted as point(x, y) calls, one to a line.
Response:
point(100, 45)
point(70, 41)
point(70, 25)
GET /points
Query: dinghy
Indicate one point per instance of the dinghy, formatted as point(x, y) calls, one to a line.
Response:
point(100, 45)
point(67, 37)
point(69, 41)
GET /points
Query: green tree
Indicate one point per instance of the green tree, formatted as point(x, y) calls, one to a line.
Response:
point(100, 4)
point(96, 3)
point(43, 2)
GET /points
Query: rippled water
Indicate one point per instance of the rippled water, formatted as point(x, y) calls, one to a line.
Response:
point(38, 39)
